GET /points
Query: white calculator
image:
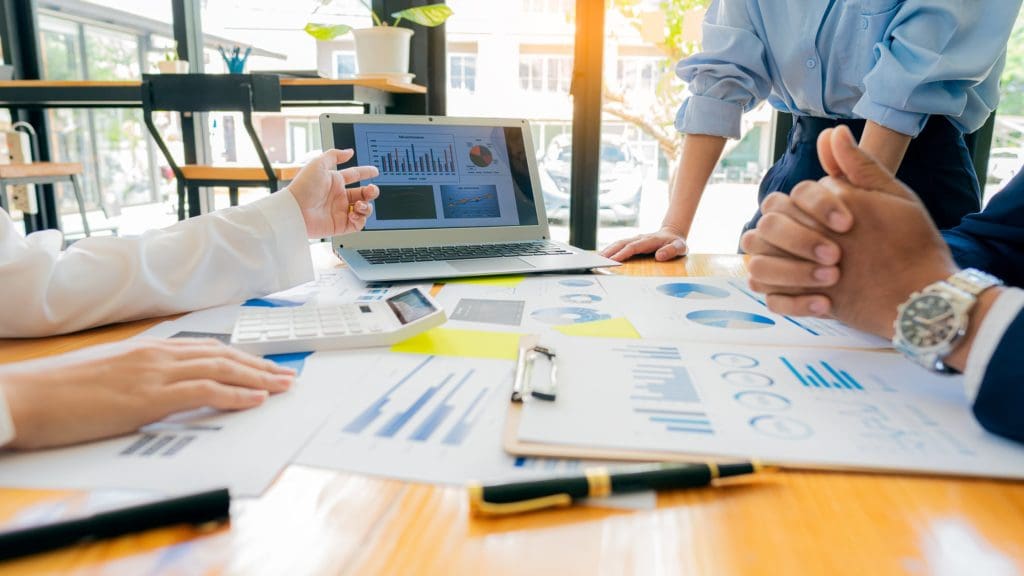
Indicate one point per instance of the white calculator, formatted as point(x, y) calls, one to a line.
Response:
point(263, 331)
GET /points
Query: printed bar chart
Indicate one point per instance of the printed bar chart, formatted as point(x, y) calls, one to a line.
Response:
point(399, 420)
point(374, 410)
point(458, 434)
point(663, 384)
point(649, 352)
point(827, 377)
point(425, 430)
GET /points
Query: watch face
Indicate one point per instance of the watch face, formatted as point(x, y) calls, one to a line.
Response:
point(929, 321)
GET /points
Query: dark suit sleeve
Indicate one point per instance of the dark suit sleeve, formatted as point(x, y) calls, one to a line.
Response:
point(993, 239)
point(999, 406)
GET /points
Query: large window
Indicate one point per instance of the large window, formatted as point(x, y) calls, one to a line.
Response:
point(1007, 154)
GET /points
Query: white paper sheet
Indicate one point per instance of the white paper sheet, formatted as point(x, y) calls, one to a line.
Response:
point(243, 451)
point(811, 406)
point(534, 305)
point(712, 309)
point(431, 419)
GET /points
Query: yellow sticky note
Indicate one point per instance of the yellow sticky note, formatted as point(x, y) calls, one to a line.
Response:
point(611, 328)
point(502, 281)
point(465, 343)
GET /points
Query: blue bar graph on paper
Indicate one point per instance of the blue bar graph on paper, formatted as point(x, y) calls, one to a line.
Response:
point(427, 428)
point(374, 410)
point(399, 420)
point(649, 352)
point(460, 431)
point(816, 378)
point(663, 384)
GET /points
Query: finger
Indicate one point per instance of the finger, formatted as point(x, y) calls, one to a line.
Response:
point(751, 242)
point(331, 159)
point(641, 246)
point(788, 272)
point(227, 371)
point(825, 155)
point(357, 218)
point(615, 247)
point(802, 305)
point(824, 205)
point(673, 249)
point(217, 349)
point(860, 168)
point(193, 394)
point(791, 237)
point(358, 174)
point(784, 204)
point(366, 193)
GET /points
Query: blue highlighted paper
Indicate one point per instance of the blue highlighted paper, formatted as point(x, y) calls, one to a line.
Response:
point(271, 303)
point(692, 291)
point(730, 319)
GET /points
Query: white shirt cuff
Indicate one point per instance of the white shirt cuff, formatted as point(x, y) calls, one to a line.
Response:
point(291, 243)
point(1003, 312)
point(6, 423)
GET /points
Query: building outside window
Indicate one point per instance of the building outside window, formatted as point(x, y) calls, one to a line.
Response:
point(462, 72)
point(545, 73)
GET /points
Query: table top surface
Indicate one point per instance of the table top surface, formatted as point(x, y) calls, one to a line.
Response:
point(318, 521)
point(378, 83)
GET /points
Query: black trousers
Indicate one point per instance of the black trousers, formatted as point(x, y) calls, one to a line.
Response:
point(937, 166)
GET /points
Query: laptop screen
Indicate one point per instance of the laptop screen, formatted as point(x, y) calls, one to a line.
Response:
point(443, 176)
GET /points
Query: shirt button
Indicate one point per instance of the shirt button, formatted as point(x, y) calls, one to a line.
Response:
point(863, 23)
point(811, 63)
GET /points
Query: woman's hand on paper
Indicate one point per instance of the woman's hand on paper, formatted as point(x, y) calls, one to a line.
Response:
point(118, 394)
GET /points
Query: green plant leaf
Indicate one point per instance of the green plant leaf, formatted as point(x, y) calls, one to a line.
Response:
point(326, 31)
point(430, 16)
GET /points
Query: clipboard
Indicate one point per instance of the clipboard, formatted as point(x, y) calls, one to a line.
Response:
point(516, 447)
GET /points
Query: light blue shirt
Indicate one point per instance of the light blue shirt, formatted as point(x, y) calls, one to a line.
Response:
point(895, 62)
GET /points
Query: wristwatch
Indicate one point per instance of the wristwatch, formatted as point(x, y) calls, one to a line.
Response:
point(931, 322)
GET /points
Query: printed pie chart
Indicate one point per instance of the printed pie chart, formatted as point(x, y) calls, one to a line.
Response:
point(581, 298)
point(576, 282)
point(691, 291)
point(481, 156)
point(730, 319)
point(568, 315)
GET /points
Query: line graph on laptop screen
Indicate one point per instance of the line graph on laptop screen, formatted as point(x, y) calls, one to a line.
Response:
point(443, 176)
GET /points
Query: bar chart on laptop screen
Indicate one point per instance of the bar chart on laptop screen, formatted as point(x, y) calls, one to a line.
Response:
point(416, 158)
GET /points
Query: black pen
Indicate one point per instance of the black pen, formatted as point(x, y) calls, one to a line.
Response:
point(200, 508)
point(532, 495)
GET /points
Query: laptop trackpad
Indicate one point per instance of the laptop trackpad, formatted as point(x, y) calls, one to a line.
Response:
point(490, 265)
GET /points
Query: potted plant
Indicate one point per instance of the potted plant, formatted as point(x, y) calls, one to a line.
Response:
point(383, 49)
point(171, 65)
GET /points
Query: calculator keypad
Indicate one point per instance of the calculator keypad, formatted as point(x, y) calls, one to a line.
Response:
point(255, 324)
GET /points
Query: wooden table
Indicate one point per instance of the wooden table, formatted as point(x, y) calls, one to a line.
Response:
point(317, 521)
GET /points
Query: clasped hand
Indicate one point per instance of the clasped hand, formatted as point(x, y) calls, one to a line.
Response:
point(854, 245)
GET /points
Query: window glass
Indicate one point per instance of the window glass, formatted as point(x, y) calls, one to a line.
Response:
point(514, 60)
point(1007, 155)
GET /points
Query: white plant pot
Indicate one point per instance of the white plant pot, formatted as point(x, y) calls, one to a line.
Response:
point(383, 50)
point(172, 66)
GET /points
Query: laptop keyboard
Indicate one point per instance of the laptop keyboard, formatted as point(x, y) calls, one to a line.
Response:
point(463, 252)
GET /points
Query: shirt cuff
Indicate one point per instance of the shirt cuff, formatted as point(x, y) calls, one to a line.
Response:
point(909, 123)
point(710, 116)
point(290, 244)
point(6, 423)
point(1003, 312)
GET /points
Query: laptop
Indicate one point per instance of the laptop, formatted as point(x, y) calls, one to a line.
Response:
point(458, 197)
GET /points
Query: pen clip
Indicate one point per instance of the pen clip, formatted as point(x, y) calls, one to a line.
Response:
point(480, 507)
point(522, 385)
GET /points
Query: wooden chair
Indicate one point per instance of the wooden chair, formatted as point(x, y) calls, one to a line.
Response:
point(45, 173)
point(190, 93)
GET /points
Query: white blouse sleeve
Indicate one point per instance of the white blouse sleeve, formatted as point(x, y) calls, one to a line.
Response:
point(223, 257)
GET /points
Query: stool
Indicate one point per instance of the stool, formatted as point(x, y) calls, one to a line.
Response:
point(45, 173)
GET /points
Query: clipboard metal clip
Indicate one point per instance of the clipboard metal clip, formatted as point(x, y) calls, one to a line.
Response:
point(522, 386)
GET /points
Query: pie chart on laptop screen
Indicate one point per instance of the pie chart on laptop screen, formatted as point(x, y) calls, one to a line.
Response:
point(481, 156)
point(692, 291)
point(730, 319)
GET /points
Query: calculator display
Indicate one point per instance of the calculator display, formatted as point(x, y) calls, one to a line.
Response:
point(410, 306)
